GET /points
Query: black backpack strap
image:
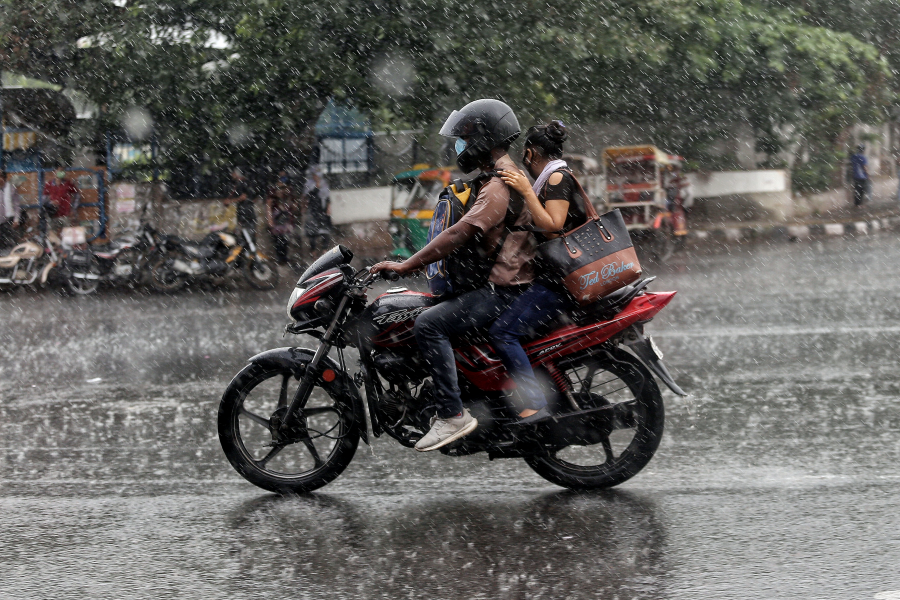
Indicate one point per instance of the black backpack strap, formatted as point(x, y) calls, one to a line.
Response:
point(513, 210)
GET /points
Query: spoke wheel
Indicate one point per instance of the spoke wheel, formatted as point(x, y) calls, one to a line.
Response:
point(84, 278)
point(313, 454)
point(634, 424)
point(261, 274)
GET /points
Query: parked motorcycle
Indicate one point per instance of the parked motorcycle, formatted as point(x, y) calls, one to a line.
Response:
point(212, 259)
point(125, 261)
point(29, 263)
point(291, 420)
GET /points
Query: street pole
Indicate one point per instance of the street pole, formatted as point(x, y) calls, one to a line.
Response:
point(2, 128)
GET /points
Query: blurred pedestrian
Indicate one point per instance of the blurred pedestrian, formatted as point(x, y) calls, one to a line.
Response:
point(316, 201)
point(280, 210)
point(859, 171)
point(242, 195)
point(897, 167)
point(10, 211)
point(62, 199)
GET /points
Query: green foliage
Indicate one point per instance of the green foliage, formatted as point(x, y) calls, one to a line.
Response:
point(242, 81)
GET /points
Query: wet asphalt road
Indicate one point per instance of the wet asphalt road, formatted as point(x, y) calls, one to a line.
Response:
point(778, 478)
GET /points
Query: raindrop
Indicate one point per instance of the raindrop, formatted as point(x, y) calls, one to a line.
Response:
point(137, 123)
point(239, 134)
point(393, 74)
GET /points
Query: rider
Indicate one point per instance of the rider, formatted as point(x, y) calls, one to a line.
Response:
point(556, 204)
point(485, 130)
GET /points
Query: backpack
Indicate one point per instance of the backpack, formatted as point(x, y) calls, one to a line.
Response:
point(469, 266)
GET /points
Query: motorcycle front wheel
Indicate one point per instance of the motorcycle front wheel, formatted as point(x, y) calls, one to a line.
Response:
point(257, 400)
point(620, 381)
point(260, 274)
point(84, 279)
point(163, 276)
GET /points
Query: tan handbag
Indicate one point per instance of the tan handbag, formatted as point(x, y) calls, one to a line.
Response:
point(594, 259)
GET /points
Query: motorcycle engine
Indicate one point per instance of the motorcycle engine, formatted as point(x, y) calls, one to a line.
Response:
point(399, 368)
point(217, 267)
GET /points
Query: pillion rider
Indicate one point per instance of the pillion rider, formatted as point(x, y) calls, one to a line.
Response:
point(485, 130)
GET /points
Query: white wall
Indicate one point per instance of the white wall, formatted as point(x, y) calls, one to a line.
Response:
point(727, 183)
point(360, 205)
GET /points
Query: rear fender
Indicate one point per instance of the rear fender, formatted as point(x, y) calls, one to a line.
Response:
point(650, 355)
point(295, 360)
point(575, 338)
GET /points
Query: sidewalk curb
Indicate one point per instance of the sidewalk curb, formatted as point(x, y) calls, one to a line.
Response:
point(798, 231)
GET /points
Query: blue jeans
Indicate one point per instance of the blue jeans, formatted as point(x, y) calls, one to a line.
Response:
point(537, 306)
point(453, 318)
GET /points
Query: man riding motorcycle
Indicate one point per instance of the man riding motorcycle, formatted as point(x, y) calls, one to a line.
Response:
point(484, 129)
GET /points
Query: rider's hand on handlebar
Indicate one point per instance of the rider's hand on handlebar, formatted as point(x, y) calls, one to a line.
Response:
point(388, 266)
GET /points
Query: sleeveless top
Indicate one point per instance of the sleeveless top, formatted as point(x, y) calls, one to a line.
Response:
point(566, 189)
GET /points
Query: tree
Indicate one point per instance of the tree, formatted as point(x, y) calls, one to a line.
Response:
point(243, 81)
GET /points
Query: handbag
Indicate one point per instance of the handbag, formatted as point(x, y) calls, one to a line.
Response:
point(594, 259)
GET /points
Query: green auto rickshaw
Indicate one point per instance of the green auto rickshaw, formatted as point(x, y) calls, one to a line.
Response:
point(414, 195)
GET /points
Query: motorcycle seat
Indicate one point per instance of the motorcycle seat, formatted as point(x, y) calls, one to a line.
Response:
point(602, 310)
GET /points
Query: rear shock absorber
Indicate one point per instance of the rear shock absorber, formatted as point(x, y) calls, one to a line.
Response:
point(562, 383)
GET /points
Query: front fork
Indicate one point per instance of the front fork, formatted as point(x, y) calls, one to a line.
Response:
point(311, 375)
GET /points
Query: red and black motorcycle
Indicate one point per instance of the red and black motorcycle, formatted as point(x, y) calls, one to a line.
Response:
point(291, 420)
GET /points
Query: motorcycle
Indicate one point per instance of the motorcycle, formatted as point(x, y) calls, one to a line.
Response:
point(291, 420)
point(124, 262)
point(212, 259)
point(29, 263)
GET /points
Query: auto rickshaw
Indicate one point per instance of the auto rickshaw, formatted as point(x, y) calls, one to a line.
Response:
point(414, 195)
point(648, 187)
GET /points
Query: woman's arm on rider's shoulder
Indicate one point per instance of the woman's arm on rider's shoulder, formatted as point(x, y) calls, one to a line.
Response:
point(549, 218)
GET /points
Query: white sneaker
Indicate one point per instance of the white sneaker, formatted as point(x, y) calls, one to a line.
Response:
point(444, 431)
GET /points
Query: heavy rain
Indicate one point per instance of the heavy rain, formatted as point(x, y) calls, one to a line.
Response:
point(189, 187)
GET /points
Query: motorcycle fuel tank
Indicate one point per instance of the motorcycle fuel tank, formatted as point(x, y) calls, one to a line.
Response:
point(391, 317)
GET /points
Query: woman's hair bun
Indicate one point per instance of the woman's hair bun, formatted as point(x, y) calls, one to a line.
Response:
point(556, 131)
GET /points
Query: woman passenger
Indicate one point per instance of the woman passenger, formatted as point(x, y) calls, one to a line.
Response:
point(556, 205)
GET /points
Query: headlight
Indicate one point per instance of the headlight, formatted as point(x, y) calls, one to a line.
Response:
point(294, 295)
point(393, 229)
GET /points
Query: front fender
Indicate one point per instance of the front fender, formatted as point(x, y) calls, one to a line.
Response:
point(45, 273)
point(295, 361)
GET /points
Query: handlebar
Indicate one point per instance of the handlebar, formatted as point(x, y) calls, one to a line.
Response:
point(366, 277)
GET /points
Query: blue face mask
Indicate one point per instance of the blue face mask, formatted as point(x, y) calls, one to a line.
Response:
point(283, 179)
point(460, 146)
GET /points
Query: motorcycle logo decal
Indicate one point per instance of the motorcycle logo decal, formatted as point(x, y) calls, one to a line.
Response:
point(551, 348)
point(610, 270)
point(400, 315)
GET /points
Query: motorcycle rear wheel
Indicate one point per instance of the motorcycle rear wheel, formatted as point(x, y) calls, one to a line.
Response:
point(620, 380)
point(128, 268)
point(256, 397)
